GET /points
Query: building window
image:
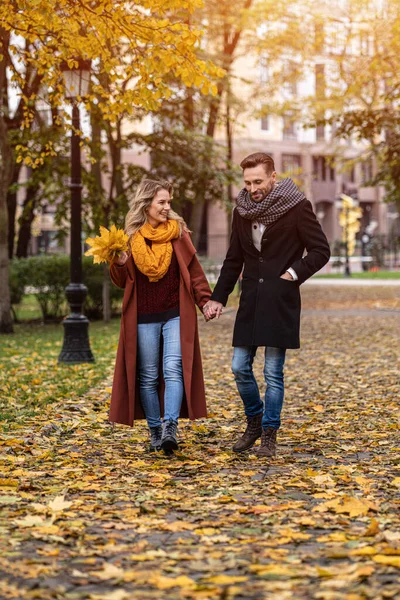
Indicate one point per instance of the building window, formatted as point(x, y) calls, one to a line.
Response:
point(365, 43)
point(319, 36)
point(323, 168)
point(367, 171)
point(320, 132)
point(315, 165)
point(289, 128)
point(320, 94)
point(264, 77)
point(265, 123)
point(290, 77)
point(291, 163)
point(264, 120)
point(320, 80)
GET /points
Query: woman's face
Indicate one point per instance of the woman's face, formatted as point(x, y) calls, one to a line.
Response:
point(159, 208)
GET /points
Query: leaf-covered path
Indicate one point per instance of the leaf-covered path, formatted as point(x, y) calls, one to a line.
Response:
point(87, 513)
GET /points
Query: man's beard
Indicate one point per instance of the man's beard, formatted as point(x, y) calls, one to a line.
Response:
point(264, 193)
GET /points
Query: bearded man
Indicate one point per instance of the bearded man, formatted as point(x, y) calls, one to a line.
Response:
point(273, 224)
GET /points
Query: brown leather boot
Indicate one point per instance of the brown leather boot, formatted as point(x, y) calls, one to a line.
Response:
point(252, 433)
point(268, 443)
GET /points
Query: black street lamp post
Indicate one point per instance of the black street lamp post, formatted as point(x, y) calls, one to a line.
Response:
point(76, 346)
point(341, 205)
point(347, 271)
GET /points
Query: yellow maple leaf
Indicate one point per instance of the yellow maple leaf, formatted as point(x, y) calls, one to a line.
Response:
point(108, 245)
point(31, 521)
point(110, 571)
point(165, 583)
point(390, 561)
point(364, 551)
point(346, 504)
point(372, 529)
point(226, 579)
point(59, 504)
point(8, 482)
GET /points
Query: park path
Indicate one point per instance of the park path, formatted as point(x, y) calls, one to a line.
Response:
point(87, 513)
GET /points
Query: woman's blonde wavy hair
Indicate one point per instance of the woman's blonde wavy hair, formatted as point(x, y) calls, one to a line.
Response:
point(137, 214)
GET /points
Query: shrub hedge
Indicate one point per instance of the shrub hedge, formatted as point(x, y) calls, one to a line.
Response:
point(48, 276)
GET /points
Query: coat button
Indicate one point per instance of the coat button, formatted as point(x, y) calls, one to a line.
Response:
point(261, 280)
point(261, 259)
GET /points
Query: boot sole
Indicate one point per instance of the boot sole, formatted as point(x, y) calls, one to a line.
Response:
point(154, 448)
point(169, 444)
point(247, 447)
point(243, 449)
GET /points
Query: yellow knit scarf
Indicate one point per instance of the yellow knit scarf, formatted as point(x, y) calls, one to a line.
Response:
point(154, 261)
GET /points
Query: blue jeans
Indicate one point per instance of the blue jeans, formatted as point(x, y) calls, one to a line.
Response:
point(242, 367)
point(148, 364)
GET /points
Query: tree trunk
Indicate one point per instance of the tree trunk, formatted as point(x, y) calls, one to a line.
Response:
point(229, 153)
point(116, 190)
point(196, 220)
point(6, 161)
point(96, 127)
point(25, 222)
point(12, 210)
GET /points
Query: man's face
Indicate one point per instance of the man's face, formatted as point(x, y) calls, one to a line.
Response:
point(258, 183)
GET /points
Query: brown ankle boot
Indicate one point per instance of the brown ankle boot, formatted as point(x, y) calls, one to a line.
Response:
point(268, 443)
point(252, 433)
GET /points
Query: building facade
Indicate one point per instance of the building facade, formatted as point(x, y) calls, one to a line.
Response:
point(311, 156)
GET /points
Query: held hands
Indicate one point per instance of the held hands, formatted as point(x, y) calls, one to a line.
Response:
point(212, 309)
point(121, 259)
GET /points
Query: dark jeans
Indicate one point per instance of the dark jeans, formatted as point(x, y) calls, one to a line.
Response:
point(242, 367)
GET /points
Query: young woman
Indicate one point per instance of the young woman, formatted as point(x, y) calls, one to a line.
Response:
point(158, 369)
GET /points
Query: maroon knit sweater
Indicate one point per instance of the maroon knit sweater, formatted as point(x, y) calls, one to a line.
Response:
point(158, 300)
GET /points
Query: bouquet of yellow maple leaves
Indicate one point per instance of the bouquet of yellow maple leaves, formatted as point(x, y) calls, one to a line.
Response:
point(107, 246)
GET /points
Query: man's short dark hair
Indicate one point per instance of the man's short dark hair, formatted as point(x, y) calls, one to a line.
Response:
point(259, 158)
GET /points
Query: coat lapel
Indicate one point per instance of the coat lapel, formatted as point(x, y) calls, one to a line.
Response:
point(184, 254)
point(248, 235)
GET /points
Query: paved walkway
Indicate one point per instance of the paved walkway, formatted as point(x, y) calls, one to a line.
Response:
point(352, 281)
point(88, 513)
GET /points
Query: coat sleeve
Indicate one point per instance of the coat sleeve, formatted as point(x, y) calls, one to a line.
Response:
point(232, 266)
point(200, 286)
point(118, 274)
point(315, 242)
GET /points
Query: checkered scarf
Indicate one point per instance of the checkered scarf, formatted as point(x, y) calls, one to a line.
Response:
point(278, 202)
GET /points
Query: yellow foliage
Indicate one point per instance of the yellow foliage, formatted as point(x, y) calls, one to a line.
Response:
point(109, 34)
point(108, 245)
point(349, 220)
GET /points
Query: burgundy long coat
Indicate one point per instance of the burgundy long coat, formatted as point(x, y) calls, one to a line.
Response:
point(193, 289)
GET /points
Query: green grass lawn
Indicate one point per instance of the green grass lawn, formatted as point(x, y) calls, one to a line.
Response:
point(30, 376)
point(28, 309)
point(364, 275)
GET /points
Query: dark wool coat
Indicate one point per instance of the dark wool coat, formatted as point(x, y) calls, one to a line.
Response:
point(193, 289)
point(269, 308)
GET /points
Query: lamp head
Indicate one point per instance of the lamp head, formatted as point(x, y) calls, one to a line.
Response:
point(76, 74)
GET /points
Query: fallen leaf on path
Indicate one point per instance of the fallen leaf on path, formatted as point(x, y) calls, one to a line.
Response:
point(346, 504)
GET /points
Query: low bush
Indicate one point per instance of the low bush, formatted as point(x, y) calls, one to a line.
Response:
point(48, 276)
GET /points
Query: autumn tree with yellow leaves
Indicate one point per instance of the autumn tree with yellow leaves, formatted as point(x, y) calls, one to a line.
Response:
point(153, 39)
point(349, 220)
